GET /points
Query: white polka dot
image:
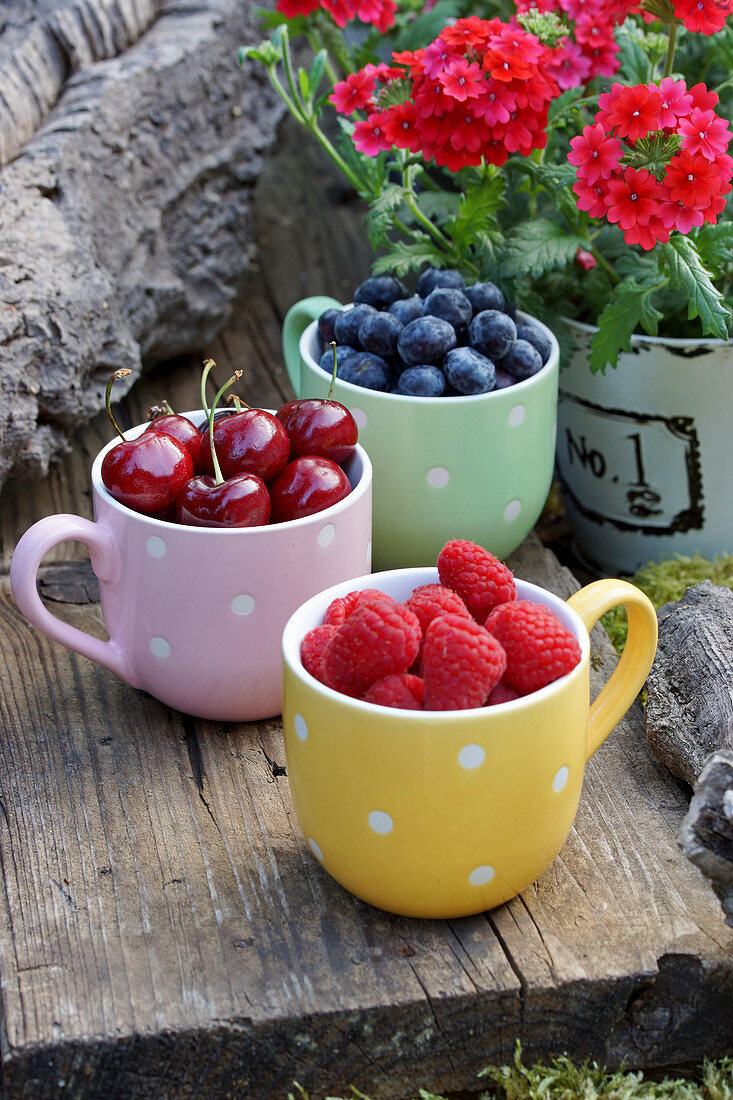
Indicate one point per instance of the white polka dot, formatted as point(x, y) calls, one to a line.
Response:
point(360, 417)
point(156, 547)
point(560, 779)
point(316, 850)
point(301, 727)
point(369, 554)
point(481, 875)
point(159, 647)
point(438, 477)
point(326, 535)
point(380, 822)
point(243, 604)
point(512, 510)
point(516, 416)
point(471, 756)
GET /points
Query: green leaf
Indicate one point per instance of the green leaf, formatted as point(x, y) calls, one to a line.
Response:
point(426, 26)
point(681, 260)
point(317, 69)
point(380, 216)
point(634, 62)
point(628, 306)
point(265, 53)
point(407, 256)
point(537, 247)
point(715, 245)
point(478, 207)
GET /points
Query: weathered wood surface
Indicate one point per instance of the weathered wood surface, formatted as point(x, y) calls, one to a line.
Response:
point(706, 835)
point(164, 931)
point(135, 139)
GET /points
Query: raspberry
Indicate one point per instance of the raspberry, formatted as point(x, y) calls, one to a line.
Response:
point(461, 664)
point(313, 648)
point(480, 579)
point(429, 600)
point(502, 693)
point(378, 638)
point(404, 691)
point(339, 609)
point(539, 649)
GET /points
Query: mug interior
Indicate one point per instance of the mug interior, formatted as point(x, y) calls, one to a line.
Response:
point(357, 468)
point(399, 583)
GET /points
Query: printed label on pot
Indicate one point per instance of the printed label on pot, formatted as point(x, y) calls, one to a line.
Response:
point(634, 471)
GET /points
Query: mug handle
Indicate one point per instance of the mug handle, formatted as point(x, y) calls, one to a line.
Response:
point(634, 663)
point(296, 322)
point(27, 558)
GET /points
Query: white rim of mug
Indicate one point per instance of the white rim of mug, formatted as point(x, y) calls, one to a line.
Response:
point(196, 415)
point(293, 635)
point(308, 338)
point(698, 342)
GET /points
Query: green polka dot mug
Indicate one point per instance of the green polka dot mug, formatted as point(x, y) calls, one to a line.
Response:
point(195, 614)
point(478, 468)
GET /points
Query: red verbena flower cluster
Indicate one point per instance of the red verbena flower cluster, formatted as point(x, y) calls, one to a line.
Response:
point(654, 160)
point(703, 16)
point(380, 13)
point(479, 91)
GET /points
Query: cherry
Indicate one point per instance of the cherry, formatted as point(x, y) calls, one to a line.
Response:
point(320, 425)
point(252, 442)
point(145, 473)
point(181, 428)
point(210, 501)
point(307, 485)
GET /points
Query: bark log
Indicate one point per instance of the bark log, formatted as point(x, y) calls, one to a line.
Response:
point(706, 836)
point(124, 217)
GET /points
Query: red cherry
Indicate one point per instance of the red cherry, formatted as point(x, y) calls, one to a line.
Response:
point(182, 429)
point(249, 442)
point(242, 501)
point(148, 472)
point(307, 485)
point(319, 426)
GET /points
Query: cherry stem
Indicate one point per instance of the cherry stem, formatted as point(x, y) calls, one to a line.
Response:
point(333, 372)
point(236, 401)
point(209, 365)
point(122, 373)
point(154, 412)
point(168, 408)
point(218, 478)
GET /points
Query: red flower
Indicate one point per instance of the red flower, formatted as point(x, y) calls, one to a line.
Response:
point(633, 199)
point(469, 33)
point(591, 197)
point(462, 80)
point(594, 154)
point(436, 58)
point(676, 101)
point(703, 16)
point(399, 126)
point(353, 93)
point(692, 179)
point(369, 136)
point(585, 259)
point(568, 66)
point(646, 236)
point(704, 132)
point(497, 103)
point(703, 98)
point(676, 215)
point(632, 111)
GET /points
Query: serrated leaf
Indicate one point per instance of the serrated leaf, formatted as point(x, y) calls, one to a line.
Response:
point(634, 62)
point(477, 209)
point(537, 247)
point(380, 216)
point(680, 259)
point(715, 246)
point(427, 25)
point(615, 325)
point(407, 256)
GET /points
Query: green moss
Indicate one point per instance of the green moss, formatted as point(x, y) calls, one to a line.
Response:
point(562, 1079)
point(666, 582)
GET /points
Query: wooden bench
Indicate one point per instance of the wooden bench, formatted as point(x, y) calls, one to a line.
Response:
point(164, 930)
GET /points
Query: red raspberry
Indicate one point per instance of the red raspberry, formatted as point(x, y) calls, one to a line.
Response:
point(377, 639)
point(476, 575)
point(429, 600)
point(339, 609)
point(502, 693)
point(313, 648)
point(461, 664)
point(539, 649)
point(404, 691)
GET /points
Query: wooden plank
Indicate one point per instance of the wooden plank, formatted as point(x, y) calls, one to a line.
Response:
point(165, 932)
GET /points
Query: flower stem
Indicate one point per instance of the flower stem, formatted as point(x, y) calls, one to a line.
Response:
point(671, 46)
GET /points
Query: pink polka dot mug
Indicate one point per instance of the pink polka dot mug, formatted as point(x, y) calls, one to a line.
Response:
point(194, 614)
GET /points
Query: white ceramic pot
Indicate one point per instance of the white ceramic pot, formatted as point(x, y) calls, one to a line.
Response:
point(644, 455)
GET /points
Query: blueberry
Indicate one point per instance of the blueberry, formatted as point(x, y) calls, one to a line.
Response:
point(536, 337)
point(492, 333)
point(450, 305)
point(485, 296)
point(433, 277)
point(379, 333)
point(380, 291)
point(325, 325)
point(422, 381)
point(346, 325)
point(522, 360)
point(368, 370)
point(407, 309)
point(503, 380)
point(425, 340)
point(343, 352)
point(468, 371)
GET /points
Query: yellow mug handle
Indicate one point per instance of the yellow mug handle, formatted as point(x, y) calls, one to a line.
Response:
point(633, 667)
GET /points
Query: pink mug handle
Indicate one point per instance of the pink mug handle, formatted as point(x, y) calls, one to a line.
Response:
point(27, 557)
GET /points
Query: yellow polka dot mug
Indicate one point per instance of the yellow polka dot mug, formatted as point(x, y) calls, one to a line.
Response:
point(195, 614)
point(481, 465)
point(445, 814)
